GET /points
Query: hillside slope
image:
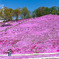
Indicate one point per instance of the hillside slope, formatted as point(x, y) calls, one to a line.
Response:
point(34, 35)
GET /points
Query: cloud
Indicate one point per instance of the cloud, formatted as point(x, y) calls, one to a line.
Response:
point(1, 5)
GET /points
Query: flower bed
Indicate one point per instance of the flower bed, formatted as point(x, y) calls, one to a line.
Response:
point(35, 35)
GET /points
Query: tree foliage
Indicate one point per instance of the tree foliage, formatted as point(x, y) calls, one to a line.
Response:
point(45, 10)
point(17, 13)
point(8, 13)
point(25, 13)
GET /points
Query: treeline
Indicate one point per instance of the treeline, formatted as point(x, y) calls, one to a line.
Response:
point(8, 14)
point(45, 10)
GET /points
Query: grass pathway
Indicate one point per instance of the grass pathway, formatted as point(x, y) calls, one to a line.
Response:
point(30, 54)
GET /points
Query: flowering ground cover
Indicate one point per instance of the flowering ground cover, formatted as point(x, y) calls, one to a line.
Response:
point(33, 35)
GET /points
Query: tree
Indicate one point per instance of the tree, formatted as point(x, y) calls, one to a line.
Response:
point(47, 11)
point(36, 13)
point(0, 13)
point(39, 12)
point(53, 10)
point(57, 10)
point(17, 13)
point(42, 11)
point(25, 13)
point(33, 14)
point(8, 14)
point(29, 15)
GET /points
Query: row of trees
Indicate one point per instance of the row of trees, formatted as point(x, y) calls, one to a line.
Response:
point(8, 13)
point(45, 10)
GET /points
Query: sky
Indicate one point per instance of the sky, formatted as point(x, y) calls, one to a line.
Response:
point(30, 4)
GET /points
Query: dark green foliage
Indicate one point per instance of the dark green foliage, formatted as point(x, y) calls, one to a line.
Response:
point(7, 13)
point(25, 13)
point(45, 10)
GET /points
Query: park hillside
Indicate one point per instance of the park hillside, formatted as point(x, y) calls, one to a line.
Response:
point(30, 32)
point(33, 35)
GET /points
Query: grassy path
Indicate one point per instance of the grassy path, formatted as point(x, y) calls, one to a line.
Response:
point(29, 54)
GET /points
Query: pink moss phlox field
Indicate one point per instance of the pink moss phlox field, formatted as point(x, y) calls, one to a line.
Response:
point(34, 35)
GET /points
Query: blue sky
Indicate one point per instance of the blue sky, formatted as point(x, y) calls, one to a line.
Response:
point(30, 4)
